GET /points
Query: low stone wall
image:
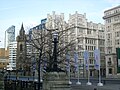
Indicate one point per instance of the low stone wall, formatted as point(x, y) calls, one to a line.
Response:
point(56, 81)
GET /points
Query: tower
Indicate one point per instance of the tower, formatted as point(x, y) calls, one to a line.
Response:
point(9, 36)
point(21, 49)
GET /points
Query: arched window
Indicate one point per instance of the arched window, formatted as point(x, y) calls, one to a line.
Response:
point(110, 70)
point(21, 47)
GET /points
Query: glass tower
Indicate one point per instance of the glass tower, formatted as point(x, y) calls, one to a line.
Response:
point(9, 36)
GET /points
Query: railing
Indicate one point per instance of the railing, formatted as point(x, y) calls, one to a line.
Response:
point(19, 84)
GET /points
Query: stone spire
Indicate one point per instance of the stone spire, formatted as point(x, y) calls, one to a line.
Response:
point(22, 31)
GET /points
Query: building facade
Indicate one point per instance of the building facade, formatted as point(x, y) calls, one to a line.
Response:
point(89, 36)
point(9, 36)
point(4, 58)
point(53, 23)
point(112, 35)
point(12, 55)
point(86, 36)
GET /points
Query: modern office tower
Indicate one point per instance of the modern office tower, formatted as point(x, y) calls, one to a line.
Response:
point(89, 36)
point(9, 36)
point(112, 41)
point(12, 56)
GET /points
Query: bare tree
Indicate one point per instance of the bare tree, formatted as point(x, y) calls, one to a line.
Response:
point(42, 41)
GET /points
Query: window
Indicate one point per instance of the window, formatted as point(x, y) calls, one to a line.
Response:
point(109, 61)
point(86, 48)
point(21, 47)
point(117, 42)
point(85, 40)
point(80, 40)
point(110, 70)
point(91, 61)
point(88, 31)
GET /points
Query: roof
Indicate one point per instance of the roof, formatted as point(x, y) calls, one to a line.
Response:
point(112, 8)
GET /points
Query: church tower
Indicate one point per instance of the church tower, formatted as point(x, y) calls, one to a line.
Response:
point(21, 49)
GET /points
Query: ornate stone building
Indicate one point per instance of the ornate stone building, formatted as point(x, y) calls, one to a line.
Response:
point(112, 42)
point(22, 62)
point(89, 36)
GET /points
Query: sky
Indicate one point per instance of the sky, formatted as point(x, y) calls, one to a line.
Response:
point(30, 12)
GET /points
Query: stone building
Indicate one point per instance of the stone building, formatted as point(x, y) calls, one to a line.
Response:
point(112, 42)
point(22, 62)
point(88, 36)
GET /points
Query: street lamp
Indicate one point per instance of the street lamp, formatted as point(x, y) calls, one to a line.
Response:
point(55, 41)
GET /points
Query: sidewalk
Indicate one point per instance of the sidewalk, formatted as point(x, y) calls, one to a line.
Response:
point(93, 87)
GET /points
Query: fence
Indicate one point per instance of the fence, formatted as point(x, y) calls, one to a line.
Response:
point(20, 85)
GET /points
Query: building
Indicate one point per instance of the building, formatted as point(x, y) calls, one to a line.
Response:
point(9, 36)
point(12, 55)
point(112, 42)
point(22, 62)
point(88, 36)
point(55, 21)
point(4, 56)
point(32, 45)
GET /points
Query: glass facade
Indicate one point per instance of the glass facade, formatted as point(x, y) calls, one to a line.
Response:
point(9, 35)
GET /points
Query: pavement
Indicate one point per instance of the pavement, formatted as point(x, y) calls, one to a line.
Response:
point(95, 87)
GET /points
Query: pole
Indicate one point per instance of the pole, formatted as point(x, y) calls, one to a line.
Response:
point(69, 74)
point(97, 64)
point(78, 76)
point(39, 73)
point(88, 74)
point(55, 67)
point(100, 84)
point(89, 83)
point(99, 76)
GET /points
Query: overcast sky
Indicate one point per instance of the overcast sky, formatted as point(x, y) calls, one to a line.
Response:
point(30, 12)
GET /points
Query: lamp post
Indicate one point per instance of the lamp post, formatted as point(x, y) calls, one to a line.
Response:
point(39, 72)
point(55, 41)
